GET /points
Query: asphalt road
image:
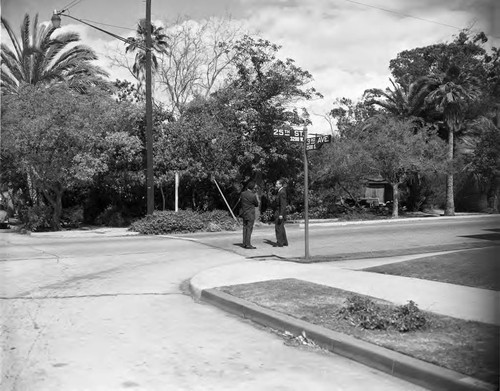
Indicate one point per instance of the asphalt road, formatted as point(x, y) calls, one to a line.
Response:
point(359, 239)
point(111, 313)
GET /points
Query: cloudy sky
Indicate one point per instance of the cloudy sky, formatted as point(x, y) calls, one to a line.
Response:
point(345, 44)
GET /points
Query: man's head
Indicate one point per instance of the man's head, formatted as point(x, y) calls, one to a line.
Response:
point(279, 183)
point(251, 185)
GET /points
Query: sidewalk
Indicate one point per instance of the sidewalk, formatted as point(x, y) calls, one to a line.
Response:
point(462, 302)
point(447, 299)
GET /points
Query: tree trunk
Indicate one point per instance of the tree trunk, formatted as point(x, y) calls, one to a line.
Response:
point(56, 203)
point(162, 197)
point(395, 197)
point(493, 195)
point(450, 202)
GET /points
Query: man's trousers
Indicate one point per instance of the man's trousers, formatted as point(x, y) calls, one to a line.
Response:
point(247, 232)
point(279, 227)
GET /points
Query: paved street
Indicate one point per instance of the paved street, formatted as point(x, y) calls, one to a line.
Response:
point(388, 237)
point(93, 312)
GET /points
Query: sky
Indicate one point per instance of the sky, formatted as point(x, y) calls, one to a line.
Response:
point(346, 45)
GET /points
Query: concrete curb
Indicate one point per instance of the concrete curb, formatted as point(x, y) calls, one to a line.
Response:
point(330, 223)
point(408, 368)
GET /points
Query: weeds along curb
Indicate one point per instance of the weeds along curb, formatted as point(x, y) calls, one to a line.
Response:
point(408, 368)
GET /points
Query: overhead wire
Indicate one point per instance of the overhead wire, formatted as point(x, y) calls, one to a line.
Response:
point(70, 5)
point(409, 16)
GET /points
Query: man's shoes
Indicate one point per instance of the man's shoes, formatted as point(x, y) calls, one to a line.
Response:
point(250, 247)
point(278, 245)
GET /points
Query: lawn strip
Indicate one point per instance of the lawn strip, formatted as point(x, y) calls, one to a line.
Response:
point(467, 347)
point(477, 268)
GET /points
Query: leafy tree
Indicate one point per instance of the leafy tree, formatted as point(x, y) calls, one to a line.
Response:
point(240, 119)
point(347, 114)
point(397, 149)
point(61, 139)
point(466, 52)
point(481, 150)
point(41, 56)
point(341, 167)
point(462, 81)
point(264, 93)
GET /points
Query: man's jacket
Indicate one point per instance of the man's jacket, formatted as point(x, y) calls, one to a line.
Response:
point(249, 202)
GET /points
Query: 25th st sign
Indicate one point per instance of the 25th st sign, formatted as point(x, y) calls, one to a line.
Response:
point(314, 142)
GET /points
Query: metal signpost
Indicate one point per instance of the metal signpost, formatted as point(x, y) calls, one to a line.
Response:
point(310, 143)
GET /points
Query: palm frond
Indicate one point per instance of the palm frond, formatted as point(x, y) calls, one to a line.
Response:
point(13, 38)
point(25, 31)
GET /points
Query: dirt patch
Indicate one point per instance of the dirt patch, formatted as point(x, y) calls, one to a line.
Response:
point(471, 348)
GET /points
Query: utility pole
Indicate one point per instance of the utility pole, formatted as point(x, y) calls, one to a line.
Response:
point(306, 197)
point(149, 115)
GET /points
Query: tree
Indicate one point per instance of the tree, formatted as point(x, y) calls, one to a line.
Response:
point(397, 150)
point(341, 167)
point(481, 150)
point(159, 44)
point(200, 55)
point(40, 56)
point(60, 138)
point(463, 78)
point(241, 118)
point(401, 101)
point(451, 94)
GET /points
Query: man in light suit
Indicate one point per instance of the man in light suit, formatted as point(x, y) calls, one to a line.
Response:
point(280, 215)
point(249, 202)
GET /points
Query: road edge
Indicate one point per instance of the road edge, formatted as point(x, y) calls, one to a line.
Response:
point(415, 371)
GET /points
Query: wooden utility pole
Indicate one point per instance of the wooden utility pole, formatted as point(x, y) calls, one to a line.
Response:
point(149, 115)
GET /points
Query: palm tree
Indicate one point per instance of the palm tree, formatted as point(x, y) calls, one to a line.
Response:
point(37, 58)
point(450, 94)
point(401, 101)
point(136, 44)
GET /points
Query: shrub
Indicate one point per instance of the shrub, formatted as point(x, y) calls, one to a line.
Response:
point(36, 218)
point(408, 317)
point(267, 216)
point(72, 217)
point(112, 217)
point(184, 221)
point(363, 312)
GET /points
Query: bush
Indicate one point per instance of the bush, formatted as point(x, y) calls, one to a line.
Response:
point(267, 216)
point(36, 218)
point(72, 217)
point(112, 217)
point(365, 313)
point(184, 221)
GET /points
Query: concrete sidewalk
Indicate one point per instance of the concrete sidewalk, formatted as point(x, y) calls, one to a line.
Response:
point(462, 302)
point(447, 299)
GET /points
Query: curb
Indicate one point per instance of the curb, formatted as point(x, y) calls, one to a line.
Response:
point(329, 223)
point(396, 364)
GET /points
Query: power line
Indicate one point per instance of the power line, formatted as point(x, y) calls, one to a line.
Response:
point(409, 16)
point(109, 25)
point(402, 14)
point(70, 5)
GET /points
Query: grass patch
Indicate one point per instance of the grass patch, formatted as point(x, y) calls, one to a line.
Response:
point(478, 268)
point(471, 348)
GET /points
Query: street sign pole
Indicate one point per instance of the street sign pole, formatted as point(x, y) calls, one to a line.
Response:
point(315, 143)
point(306, 202)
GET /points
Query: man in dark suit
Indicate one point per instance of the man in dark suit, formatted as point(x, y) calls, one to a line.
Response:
point(280, 215)
point(249, 202)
